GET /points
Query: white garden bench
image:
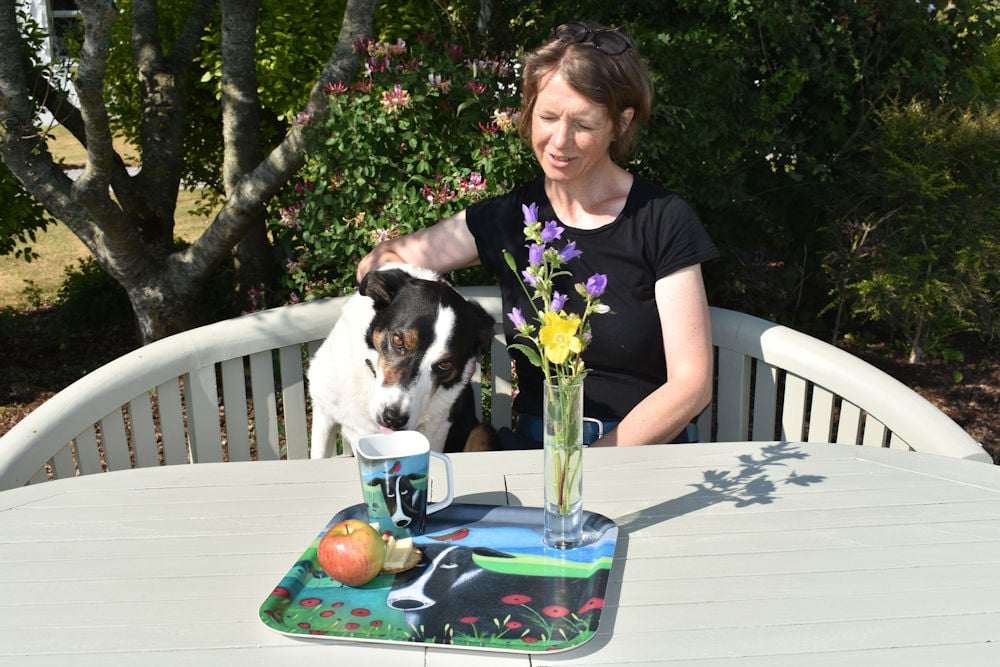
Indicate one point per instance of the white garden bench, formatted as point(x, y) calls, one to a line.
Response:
point(236, 391)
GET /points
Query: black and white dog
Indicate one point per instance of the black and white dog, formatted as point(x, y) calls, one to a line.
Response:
point(400, 358)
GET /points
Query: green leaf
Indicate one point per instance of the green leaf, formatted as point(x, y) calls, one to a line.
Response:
point(529, 352)
point(466, 104)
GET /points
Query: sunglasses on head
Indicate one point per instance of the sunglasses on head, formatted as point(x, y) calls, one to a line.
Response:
point(606, 40)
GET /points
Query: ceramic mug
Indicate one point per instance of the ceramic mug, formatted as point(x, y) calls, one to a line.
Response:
point(395, 479)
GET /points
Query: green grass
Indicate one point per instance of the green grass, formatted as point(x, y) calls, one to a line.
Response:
point(73, 154)
point(24, 284)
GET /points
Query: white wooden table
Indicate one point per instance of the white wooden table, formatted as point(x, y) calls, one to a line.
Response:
point(746, 553)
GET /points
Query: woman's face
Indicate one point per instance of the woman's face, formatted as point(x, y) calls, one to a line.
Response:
point(569, 133)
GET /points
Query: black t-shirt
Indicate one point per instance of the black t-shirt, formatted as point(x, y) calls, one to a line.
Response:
point(656, 234)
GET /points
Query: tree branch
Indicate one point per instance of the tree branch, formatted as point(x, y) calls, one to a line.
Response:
point(258, 186)
point(187, 43)
point(24, 151)
point(92, 186)
point(359, 16)
point(146, 51)
point(162, 82)
point(240, 102)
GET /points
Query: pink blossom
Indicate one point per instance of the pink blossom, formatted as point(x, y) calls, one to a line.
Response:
point(395, 99)
point(335, 88)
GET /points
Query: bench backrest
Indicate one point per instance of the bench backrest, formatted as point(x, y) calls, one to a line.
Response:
point(775, 383)
point(229, 391)
point(236, 391)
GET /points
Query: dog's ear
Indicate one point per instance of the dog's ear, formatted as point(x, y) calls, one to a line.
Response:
point(382, 286)
point(484, 325)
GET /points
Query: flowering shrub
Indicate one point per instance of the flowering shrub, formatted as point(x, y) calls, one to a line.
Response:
point(421, 134)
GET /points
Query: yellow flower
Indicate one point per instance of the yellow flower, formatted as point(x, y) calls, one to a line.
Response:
point(558, 336)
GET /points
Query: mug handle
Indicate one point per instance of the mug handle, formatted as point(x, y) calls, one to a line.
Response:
point(440, 505)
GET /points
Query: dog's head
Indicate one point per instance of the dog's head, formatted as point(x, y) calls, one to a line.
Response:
point(426, 340)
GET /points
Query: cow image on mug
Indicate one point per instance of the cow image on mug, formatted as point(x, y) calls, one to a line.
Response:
point(395, 480)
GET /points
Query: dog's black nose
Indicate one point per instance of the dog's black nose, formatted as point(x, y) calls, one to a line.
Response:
point(394, 418)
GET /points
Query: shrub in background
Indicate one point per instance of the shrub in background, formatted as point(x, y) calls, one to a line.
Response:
point(89, 297)
point(21, 218)
point(424, 132)
point(920, 252)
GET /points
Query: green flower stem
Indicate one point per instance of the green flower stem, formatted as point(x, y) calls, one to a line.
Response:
point(564, 440)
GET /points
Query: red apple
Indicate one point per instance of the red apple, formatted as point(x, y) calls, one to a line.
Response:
point(352, 552)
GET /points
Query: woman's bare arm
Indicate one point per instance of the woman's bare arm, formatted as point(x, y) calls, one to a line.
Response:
point(443, 247)
point(687, 342)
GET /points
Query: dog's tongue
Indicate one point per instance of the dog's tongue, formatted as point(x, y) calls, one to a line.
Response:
point(385, 429)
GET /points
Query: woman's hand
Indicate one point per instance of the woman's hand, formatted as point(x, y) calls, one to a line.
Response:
point(444, 247)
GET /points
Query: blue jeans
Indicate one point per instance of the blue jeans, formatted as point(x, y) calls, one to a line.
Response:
point(528, 433)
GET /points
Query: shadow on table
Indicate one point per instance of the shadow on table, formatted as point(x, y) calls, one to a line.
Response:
point(748, 484)
point(490, 498)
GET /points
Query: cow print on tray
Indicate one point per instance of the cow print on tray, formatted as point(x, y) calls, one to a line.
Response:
point(485, 581)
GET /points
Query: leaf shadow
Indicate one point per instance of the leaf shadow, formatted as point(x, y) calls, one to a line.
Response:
point(753, 482)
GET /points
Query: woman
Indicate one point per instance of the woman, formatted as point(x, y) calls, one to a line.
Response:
point(584, 96)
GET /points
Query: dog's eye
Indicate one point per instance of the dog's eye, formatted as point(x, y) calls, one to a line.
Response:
point(397, 341)
point(444, 366)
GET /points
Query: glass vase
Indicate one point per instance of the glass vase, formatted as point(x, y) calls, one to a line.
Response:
point(562, 411)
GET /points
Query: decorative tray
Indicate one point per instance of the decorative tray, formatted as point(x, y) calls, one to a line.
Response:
point(486, 582)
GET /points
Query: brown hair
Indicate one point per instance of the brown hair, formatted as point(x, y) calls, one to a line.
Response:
point(615, 82)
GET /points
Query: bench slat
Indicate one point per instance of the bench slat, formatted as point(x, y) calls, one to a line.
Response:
point(874, 433)
point(140, 412)
point(502, 403)
point(765, 401)
point(733, 395)
point(115, 442)
point(202, 394)
point(265, 406)
point(234, 395)
point(820, 415)
point(171, 413)
point(293, 402)
point(88, 456)
point(849, 425)
point(62, 463)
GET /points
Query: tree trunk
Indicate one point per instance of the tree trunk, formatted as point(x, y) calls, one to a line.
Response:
point(127, 221)
point(241, 131)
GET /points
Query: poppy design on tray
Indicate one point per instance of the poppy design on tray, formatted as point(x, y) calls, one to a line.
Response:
point(485, 582)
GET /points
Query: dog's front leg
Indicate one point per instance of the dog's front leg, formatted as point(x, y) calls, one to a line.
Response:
point(324, 437)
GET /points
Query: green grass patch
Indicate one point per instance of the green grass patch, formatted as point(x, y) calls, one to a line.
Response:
point(31, 284)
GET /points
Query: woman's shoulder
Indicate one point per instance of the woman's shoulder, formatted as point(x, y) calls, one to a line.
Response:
point(658, 200)
point(509, 201)
point(646, 189)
